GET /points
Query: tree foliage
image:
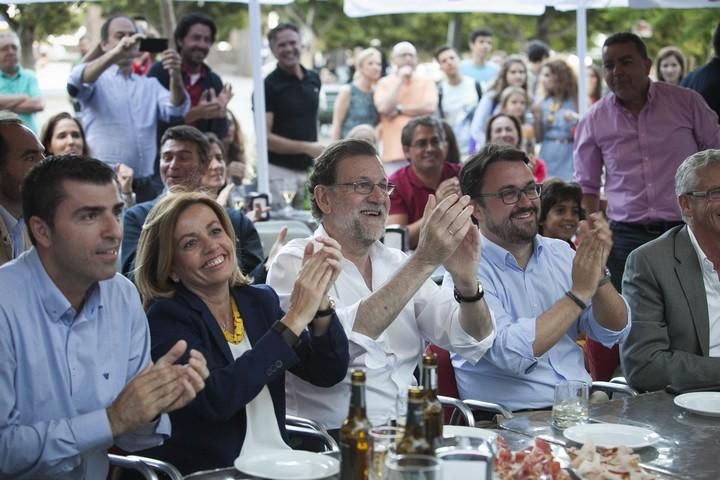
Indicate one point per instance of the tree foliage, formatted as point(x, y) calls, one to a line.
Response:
point(37, 21)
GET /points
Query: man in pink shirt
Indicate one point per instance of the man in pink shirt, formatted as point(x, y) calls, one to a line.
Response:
point(423, 142)
point(398, 98)
point(640, 133)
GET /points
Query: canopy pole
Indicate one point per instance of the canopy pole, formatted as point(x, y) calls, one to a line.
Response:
point(582, 53)
point(261, 158)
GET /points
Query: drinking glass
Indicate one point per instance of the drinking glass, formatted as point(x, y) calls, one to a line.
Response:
point(382, 444)
point(412, 467)
point(571, 404)
point(466, 457)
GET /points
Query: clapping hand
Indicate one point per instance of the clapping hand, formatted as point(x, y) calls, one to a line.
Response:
point(159, 388)
point(445, 225)
point(319, 270)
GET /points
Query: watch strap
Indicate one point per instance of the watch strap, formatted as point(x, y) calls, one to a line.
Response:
point(474, 298)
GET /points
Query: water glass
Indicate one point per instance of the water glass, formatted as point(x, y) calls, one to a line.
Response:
point(412, 467)
point(466, 457)
point(382, 444)
point(571, 404)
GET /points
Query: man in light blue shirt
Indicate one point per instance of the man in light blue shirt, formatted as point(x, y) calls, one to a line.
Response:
point(19, 91)
point(478, 66)
point(120, 110)
point(541, 292)
point(75, 373)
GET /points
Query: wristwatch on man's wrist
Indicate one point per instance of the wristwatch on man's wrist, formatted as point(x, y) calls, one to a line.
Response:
point(474, 298)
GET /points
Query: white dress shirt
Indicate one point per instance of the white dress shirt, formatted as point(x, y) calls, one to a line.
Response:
point(388, 361)
point(711, 278)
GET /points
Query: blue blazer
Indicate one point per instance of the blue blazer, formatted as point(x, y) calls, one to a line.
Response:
point(209, 432)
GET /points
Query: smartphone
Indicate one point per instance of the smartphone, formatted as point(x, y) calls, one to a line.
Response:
point(153, 45)
point(261, 199)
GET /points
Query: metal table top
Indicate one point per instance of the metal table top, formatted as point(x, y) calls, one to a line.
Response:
point(689, 447)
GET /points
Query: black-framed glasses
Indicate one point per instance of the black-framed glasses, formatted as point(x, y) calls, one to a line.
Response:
point(710, 195)
point(434, 142)
point(511, 196)
point(365, 187)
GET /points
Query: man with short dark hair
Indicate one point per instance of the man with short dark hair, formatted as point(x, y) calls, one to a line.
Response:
point(194, 36)
point(479, 65)
point(673, 287)
point(85, 327)
point(386, 301)
point(458, 96)
point(424, 144)
point(120, 110)
point(20, 149)
point(292, 96)
point(706, 79)
point(537, 52)
point(542, 293)
point(640, 133)
point(184, 158)
point(19, 91)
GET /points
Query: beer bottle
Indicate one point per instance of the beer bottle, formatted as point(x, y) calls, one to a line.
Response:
point(354, 436)
point(432, 409)
point(414, 439)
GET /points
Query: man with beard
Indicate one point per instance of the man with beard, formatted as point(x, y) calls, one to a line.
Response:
point(386, 301)
point(541, 292)
point(194, 35)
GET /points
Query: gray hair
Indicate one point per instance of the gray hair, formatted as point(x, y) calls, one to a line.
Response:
point(12, 35)
point(686, 177)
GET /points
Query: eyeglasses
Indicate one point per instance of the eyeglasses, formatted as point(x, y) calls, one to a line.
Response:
point(434, 142)
point(711, 195)
point(511, 196)
point(365, 187)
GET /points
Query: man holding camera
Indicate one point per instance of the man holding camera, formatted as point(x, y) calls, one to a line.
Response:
point(120, 110)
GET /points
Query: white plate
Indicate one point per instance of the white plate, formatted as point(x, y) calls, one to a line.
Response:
point(611, 435)
point(288, 465)
point(703, 403)
point(462, 431)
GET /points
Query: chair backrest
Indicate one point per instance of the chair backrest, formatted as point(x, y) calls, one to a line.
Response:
point(268, 231)
point(146, 466)
point(306, 427)
point(396, 236)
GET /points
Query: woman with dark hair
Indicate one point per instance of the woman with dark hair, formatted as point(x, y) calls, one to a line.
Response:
point(670, 65)
point(560, 209)
point(234, 144)
point(504, 129)
point(193, 289)
point(512, 74)
point(556, 117)
point(63, 134)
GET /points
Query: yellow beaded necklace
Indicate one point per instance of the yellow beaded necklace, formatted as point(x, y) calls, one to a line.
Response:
point(238, 333)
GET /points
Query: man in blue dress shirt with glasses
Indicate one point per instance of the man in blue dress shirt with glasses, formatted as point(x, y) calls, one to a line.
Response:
point(75, 371)
point(542, 293)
